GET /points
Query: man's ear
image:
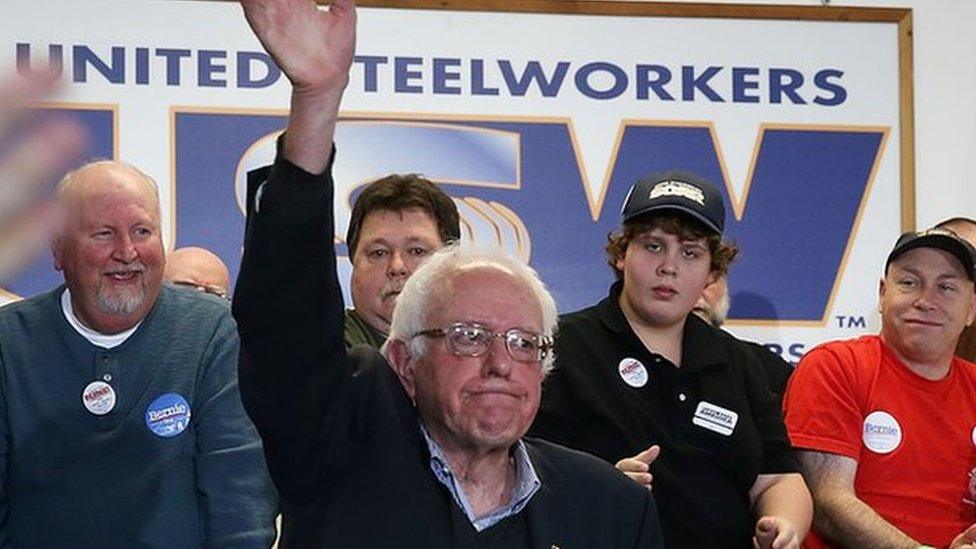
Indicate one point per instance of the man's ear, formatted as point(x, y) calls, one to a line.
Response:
point(881, 292)
point(972, 311)
point(398, 355)
point(57, 251)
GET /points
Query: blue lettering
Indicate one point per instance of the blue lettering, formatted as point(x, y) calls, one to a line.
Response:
point(173, 57)
point(785, 81)
point(740, 84)
point(244, 70)
point(55, 58)
point(518, 86)
point(207, 68)
point(370, 64)
point(82, 56)
point(403, 74)
point(442, 76)
point(821, 79)
point(645, 82)
point(797, 350)
point(690, 83)
point(142, 66)
point(774, 348)
point(619, 80)
point(478, 79)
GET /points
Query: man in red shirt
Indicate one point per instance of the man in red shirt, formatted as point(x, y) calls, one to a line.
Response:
point(886, 425)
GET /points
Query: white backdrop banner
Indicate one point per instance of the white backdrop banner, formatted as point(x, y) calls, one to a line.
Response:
point(536, 124)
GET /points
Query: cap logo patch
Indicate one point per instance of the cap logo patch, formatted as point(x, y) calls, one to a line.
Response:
point(678, 188)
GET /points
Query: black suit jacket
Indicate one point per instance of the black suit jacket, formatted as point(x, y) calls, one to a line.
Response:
point(341, 436)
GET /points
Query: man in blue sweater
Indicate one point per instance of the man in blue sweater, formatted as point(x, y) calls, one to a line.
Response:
point(120, 416)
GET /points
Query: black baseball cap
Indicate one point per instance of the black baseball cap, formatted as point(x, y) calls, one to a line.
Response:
point(941, 239)
point(680, 191)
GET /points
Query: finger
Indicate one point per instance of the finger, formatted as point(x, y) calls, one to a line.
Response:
point(23, 238)
point(784, 540)
point(644, 479)
point(37, 159)
point(648, 456)
point(632, 465)
point(765, 524)
point(19, 92)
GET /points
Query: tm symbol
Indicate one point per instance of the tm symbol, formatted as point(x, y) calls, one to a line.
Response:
point(844, 321)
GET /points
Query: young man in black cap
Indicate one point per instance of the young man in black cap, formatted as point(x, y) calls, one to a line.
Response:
point(640, 379)
point(887, 423)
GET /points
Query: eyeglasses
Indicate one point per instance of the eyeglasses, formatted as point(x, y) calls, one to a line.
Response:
point(213, 290)
point(474, 340)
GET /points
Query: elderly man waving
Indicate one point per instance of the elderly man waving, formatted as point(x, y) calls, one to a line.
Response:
point(429, 451)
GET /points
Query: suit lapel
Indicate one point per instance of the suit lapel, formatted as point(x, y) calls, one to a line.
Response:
point(545, 530)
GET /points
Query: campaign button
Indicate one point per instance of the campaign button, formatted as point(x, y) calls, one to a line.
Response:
point(168, 415)
point(98, 398)
point(633, 372)
point(881, 432)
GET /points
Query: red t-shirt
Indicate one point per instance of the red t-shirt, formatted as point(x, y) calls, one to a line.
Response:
point(914, 439)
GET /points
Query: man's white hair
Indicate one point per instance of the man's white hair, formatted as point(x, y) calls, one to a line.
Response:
point(427, 283)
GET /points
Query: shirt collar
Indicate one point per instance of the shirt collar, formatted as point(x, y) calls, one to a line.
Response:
point(527, 483)
point(698, 344)
point(106, 341)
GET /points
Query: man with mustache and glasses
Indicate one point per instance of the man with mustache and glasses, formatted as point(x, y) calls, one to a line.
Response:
point(121, 420)
point(885, 425)
point(421, 446)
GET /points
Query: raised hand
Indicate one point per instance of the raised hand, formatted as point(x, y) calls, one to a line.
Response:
point(314, 48)
point(34, 151)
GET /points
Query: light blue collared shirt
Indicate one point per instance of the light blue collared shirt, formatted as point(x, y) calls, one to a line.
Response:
point(527, 483)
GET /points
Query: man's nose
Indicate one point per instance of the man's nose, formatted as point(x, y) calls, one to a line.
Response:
point(498, 361)
point(124, 250)
point(398, 265)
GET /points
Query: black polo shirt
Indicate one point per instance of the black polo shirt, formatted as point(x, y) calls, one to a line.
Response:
point(714, 417)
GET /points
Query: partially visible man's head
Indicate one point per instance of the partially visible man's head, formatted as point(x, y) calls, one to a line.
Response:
point(198, 268)
point(964, 227)
point(927, 295)
point(713, 306)
point(471, 342)
point(110, 247)
point(396, 223)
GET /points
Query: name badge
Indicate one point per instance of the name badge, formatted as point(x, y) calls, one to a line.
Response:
point(715, 418)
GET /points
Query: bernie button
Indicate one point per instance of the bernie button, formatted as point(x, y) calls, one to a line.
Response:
point(168, 415)
point(98, 398)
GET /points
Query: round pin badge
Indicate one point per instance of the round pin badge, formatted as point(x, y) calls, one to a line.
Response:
point(973, 437)
point(168, 415)
point(881, 433)
point(98, 398)
point(633, 372)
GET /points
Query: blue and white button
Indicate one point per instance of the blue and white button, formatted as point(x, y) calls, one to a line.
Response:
point(168, 415)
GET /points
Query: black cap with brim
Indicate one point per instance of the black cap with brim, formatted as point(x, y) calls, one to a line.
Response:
point(940, 239)
point(676, 191)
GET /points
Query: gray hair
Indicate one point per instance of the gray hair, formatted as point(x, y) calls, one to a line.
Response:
point(421, 289)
